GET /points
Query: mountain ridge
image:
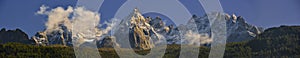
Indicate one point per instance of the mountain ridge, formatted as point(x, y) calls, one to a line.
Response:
point(153, 31)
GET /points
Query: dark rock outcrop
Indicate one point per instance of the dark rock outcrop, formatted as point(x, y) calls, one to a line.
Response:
point(14, 36)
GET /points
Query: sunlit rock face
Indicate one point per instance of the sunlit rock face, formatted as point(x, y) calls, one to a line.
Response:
point(142, 33)
point(139, 31)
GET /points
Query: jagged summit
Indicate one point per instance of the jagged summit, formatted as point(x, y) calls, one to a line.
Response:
point(140, 31)
point(237, 28)
point(60, 36)
point(136, 11)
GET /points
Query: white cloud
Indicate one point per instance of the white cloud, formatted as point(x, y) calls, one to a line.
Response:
point(80, 21)
point(192, 38)
point(42, 10)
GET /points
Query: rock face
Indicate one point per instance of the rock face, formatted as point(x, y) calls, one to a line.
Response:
point(14, 36)
point(141, 33)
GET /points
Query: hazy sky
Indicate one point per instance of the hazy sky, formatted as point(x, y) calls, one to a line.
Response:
point(264, 13)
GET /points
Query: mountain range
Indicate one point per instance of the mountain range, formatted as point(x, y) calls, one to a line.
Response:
point(146, 32)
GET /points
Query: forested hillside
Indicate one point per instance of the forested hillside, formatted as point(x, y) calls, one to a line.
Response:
point(281, 41)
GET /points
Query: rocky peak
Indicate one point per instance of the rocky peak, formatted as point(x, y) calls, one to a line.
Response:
point(140, 31)
point(16, 35)
point(40, 38)
point(237, 28)
point(60, 36)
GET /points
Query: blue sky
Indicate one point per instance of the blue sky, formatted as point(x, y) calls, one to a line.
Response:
point(264, 13)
